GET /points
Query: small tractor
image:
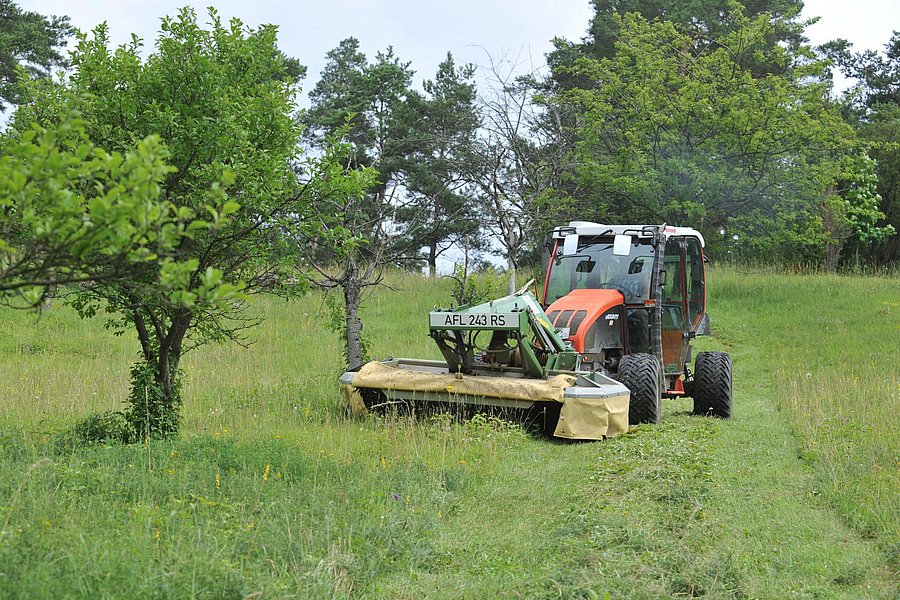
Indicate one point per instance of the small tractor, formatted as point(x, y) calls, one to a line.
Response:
point(610, 338)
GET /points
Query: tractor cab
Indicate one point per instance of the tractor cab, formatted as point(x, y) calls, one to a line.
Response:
point(614, 291)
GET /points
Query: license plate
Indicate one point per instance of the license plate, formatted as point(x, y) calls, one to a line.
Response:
point(449, 320)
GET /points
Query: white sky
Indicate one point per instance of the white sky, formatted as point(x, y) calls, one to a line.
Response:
point(867, 24)
point(422, 31)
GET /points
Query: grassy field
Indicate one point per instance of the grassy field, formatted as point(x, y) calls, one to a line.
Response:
point(272, 492)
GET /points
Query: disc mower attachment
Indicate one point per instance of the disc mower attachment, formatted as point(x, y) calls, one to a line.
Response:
point(590, 406)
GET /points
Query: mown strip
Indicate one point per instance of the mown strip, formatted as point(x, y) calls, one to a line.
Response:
point(824, 348)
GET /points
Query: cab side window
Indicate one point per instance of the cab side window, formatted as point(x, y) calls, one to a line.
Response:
point(672, 292)
point(673, 317)
point(695, 279)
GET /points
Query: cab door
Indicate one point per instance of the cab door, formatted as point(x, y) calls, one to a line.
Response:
point(695, 277)
point(675, 314)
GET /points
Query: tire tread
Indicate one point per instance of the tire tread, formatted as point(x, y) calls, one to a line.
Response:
point(713, 384)
point(641, 374)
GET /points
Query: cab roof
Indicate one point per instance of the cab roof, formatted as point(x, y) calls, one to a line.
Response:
point(590, 229)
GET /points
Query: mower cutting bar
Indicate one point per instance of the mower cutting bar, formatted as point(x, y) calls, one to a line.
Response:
point(588, 405)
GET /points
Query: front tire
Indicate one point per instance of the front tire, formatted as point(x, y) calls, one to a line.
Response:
point(641, 374)
point(713, 385)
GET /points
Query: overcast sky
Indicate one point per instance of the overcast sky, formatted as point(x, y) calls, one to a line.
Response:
point(422, 31)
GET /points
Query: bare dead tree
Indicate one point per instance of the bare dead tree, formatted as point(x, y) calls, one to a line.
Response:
point(521, 154)
point(359, 239)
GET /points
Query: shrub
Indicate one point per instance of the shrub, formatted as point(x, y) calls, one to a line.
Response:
point(105, 427)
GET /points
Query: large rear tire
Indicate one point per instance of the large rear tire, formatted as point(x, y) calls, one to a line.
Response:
point(713, 385)
point(641, 374)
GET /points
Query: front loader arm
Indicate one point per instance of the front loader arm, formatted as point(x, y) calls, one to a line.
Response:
point(521, 336)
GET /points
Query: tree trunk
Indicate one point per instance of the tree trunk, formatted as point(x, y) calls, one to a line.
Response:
point(167, 373)
point(155, 399)
point(511, 268)
point(351, 287)
point(837, 229)
point(432, 259)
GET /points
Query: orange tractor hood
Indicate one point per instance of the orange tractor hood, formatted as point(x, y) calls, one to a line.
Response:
point(579, 309)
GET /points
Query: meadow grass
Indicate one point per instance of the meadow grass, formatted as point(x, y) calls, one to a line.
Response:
point(271, 488)
point(831, 344)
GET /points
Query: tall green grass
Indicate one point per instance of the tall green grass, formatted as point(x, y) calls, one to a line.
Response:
point(271, 488)
point(59, 368)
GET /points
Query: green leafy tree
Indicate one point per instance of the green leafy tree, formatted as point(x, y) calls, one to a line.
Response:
point(347, 253)
point(221, 98)
point(366, 105)
point(70, 212)
point(442, 126)
point(878, 73)
point(881, 132)
point(704, 24)
point(341, 93)
point(873, 105)
point(30, 44)
point(669, 134)
point(852, 210)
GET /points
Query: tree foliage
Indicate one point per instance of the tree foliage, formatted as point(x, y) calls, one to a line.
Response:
point(881, 131)
point(71, 212)
point(442, 124)
point(704, 25)
point(221, 98)
point(859, 195)
point(667, 133)
point(366, 106)
point(873, 105)
point(30, 44)
point(877, 73)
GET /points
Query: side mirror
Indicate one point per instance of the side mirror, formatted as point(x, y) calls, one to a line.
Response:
point(570, 244)
point(622, 245)
point(703, 327)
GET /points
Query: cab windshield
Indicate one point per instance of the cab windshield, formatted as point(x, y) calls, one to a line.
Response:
point(594, 266)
